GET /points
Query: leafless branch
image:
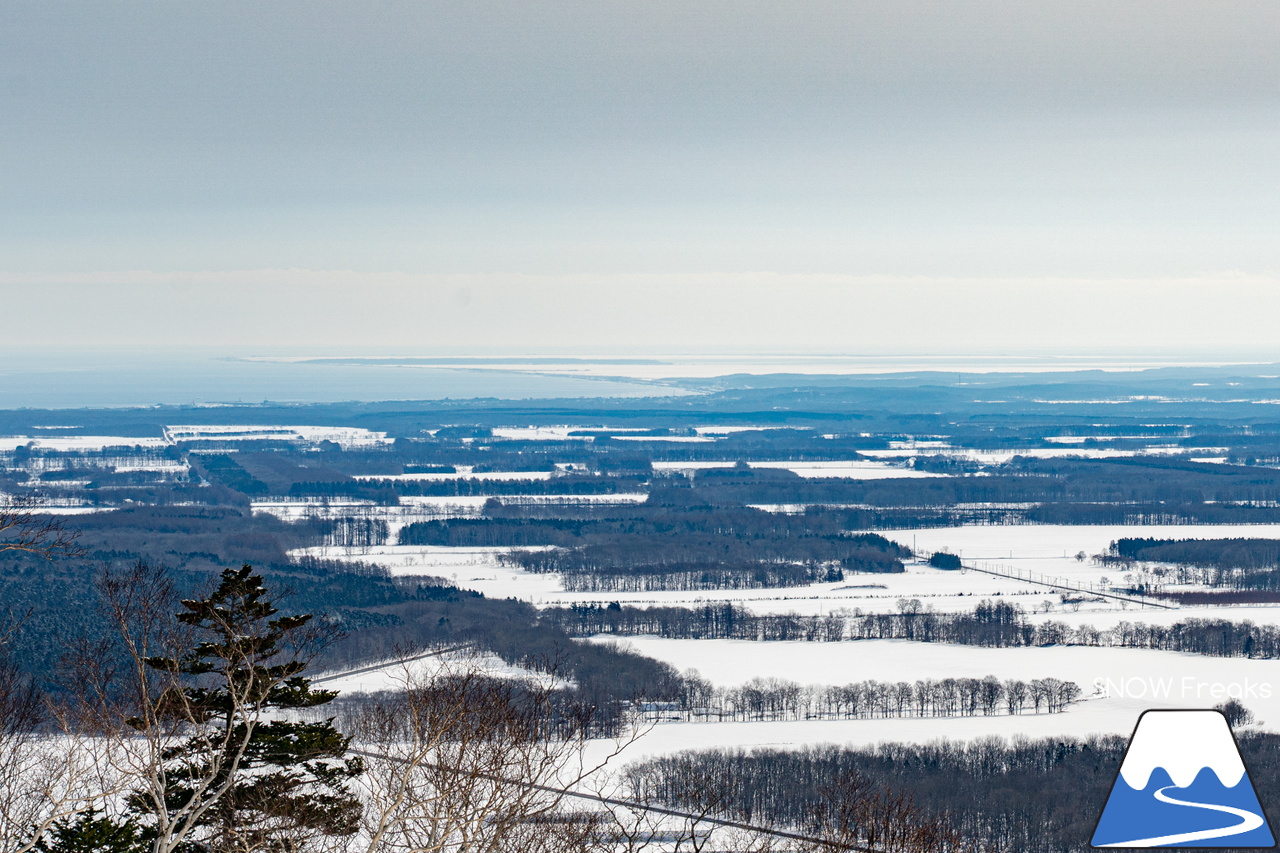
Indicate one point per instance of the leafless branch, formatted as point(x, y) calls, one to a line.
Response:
point(24, 528)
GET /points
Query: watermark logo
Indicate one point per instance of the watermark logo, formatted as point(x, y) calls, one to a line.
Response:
point(1183, 783)
point(1185, 689)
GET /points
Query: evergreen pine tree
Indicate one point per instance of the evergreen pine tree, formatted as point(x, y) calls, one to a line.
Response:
point(247, 774)
point(94, 833)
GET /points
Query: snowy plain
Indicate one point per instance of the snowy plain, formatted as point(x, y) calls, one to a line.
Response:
point(1117, 684)
point(1133, 680)
point(999, 457)
point(1045, 553)
point(464, 472)
point(73, 443)
point(854, 469)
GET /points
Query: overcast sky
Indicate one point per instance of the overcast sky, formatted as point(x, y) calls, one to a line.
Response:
point(517, 174)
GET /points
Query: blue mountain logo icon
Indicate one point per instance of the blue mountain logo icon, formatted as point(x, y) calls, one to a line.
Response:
point(1183, 784)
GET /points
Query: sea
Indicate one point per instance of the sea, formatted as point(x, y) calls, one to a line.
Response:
point(56, 379)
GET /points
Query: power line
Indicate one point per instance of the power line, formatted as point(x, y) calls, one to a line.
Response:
point(630, 804)
point(377, 667)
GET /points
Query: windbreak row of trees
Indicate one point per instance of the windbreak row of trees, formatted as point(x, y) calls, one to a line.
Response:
point(667, 513)
point(578, 575)
point(660, 546)
point(992, 623)
point(461, 487)
point(779, 699)
point(1125, 481)
point(1238, 564)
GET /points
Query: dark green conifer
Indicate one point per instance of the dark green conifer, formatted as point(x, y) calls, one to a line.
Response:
point(249, 774)
point(94, 833)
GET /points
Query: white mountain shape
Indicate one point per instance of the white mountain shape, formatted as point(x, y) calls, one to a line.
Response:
point(1183, 743)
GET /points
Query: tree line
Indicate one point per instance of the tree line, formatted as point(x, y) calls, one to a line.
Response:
point(1238, 563)
point(386, 490)
point(1138, 484)
point(992, 623)
point(780, 699)
point(657, 546)
point(1026, 795)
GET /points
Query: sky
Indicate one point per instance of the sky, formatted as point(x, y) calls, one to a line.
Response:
point(807, 176)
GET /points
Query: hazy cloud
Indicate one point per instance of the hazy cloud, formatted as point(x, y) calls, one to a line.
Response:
point(962, 141)
point(267, 311)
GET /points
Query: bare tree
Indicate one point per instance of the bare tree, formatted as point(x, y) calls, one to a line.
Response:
point(858, 815)
point(459, 761)
point(24, 528)
point(52, 768)
point(710, 818)
point(195, 698)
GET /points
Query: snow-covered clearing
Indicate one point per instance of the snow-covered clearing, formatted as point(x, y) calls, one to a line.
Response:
point(1108, 716)
point(464, 472)
point(65, 508)
point(472, 504)
point(153, 467)
point(727, 430)
point(480, 569)
point(346, 437)
point(469, 568)
point(852, 469)
point(423, 507)
point(73, 443)
point(396, 517)
point(734, 662)
point(944, 591)
point(999, 457)
point(1259, 614)
point(547, 433)
point(1038, 551)
point(1051, 549)
point(416, 669)
point(1133, 680)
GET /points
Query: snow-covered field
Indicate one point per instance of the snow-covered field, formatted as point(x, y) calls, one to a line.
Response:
point(1136, 679)
point(347, 437)
point(550, 433)
point(1131, 681)
point(450, 501)
point(73, 443)
point(853, 469)
point(414, 670)
point(469, 568)
point(464, 472)
point(1051, 549)
point(480, 569)
point(999, 457)
point(65, 509)
point(1083, 719)
point(421, 507)
point(1037, 551)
